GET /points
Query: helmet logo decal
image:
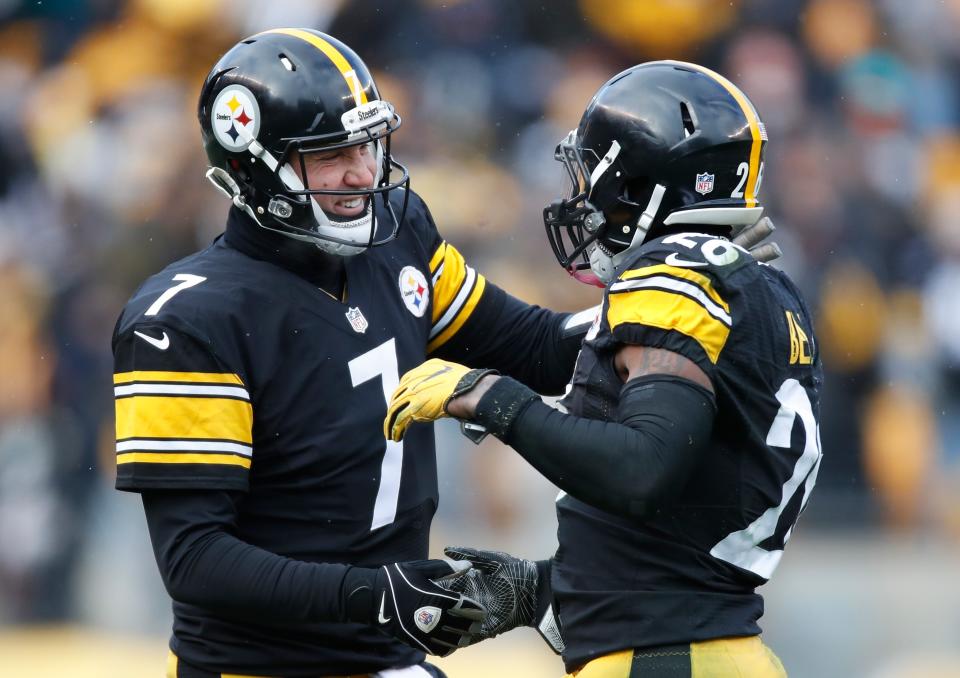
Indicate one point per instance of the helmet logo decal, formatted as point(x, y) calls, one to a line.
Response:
point(704, 183)
point(414, 290)
point(235, 117)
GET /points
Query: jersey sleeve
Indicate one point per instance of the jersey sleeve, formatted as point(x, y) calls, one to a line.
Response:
point(183, 420)
point(457, 290)
point(671, 307)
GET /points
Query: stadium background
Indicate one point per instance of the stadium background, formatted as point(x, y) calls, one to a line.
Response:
point(101, 183)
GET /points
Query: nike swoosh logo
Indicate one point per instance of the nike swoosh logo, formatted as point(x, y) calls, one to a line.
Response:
point(673, 260)
point(380, 617)
point(163, 343)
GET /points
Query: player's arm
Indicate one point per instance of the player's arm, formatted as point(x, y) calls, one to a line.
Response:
point(476, 323)
point(627, 467)
point(202, 563)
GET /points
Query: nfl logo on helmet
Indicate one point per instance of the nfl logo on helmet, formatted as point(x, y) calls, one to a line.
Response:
point(704, 183)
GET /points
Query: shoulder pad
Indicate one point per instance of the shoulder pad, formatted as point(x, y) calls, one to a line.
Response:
point(707, 254)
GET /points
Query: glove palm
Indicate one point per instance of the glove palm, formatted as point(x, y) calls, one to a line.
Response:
point(514, 592)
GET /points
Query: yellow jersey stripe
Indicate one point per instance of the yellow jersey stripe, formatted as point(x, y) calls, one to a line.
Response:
point(753, 120)
point(464, 313)
point(438, 257)
point(184, 417)
point(181, 458)
point(669, 311)
point(700, 280)
point(190, 377)
point(340, 61)
point(447, 286)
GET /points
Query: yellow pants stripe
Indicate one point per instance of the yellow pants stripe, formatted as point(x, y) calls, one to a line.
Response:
point(174, 670)
point(719, 658)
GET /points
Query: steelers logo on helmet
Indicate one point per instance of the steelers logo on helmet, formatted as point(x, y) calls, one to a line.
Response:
point(235, 117)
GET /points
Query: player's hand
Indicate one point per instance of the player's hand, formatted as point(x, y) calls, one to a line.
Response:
point(424, 392)
point(514, 591)
point(405, 601)
point(751, 239)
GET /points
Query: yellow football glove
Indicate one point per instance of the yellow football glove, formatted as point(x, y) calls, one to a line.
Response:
point(424, 392)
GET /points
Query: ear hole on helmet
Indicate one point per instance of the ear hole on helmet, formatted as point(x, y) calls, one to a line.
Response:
point(238, 169)
point(636, 190)
point(689, 127)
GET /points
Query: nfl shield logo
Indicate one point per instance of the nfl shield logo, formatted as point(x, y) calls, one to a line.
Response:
point(704, 183)
point(357, 321)
point(427, 618)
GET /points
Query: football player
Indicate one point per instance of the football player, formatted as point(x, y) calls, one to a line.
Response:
point(687, 443)
point(251, 381)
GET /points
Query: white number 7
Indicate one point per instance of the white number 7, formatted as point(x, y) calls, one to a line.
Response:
point(382, 362)
point(187, 280)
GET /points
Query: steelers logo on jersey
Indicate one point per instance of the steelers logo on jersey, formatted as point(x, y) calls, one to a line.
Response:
point(414, 290)
point(235, 117)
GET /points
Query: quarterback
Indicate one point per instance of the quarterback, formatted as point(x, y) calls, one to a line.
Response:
point(687, 444)
point(251, 381)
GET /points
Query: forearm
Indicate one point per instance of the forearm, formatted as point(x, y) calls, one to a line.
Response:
point(203, 564)
point(531, 344)
point(628, 467)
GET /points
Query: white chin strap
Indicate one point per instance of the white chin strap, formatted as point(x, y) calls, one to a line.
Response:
point(356, 231)
point(604, 265)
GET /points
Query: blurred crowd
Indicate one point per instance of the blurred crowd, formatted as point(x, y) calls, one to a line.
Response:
point(101, 184)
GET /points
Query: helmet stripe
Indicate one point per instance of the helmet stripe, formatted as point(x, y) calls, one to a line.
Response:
point(340, 61)
point(753, 120)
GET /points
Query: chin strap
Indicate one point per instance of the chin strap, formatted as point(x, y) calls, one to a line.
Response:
point(604, 265)
point(228, 186)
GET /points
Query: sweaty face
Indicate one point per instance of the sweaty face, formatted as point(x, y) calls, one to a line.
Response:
point(338, 169)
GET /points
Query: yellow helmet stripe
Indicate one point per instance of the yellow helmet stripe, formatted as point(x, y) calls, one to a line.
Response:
point(753, 120)
point(349, 74)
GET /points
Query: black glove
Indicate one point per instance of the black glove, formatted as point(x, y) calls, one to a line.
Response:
point(515, 592)
point(403, 601)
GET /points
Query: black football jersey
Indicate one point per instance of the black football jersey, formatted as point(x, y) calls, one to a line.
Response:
point(234, 373)
point(688, 572)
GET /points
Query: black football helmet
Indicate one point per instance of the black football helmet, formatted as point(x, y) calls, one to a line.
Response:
point(284, 94)
point(661, 144)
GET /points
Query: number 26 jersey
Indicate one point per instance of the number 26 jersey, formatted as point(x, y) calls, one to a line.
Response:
point(688, 571)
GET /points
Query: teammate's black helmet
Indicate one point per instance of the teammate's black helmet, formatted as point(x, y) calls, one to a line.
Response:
point(662, 143)
point(298, 90)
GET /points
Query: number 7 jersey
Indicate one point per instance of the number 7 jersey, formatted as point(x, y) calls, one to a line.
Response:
point(236, 374)
point(688, 571)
